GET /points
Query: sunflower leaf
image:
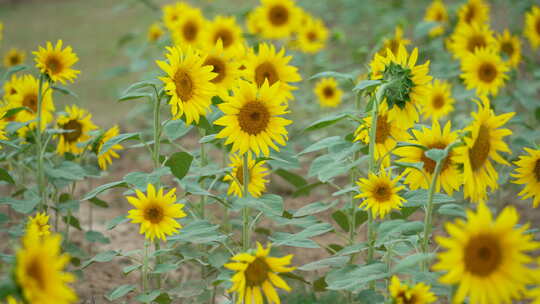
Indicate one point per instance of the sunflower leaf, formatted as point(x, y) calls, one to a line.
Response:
point(179, 164)
point(117, 140)
point(120, 291)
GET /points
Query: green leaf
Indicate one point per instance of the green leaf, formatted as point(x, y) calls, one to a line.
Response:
point(418, 198)
point(325, 122)
point(12, 112)
point(98, 202)
point(176, 129)
point(293, 178)
point(436, 155)
point(4, 176)
point(120, 291)
point(117, 140)
point(66, 170)
point(163, 268)
point(423, 28)
point(322, 144)
point(301, 239)
point(412, 261)
point(314, 208)
point(418, 166)
point(14, 70)
point(207, 139)
point(333, 74)
point(102, 188)
point(337, 261)
point(101, 257)
point(21, 206)
point(131, 268)
point(353, 277)
point(370, 296)
point(366, 84)
point(64, 91)
point(73, 221)
point(342, 219)
point(269, 204)
point(134, 95)
point(148, 297)
point(140, 85)
point(199, 232)
point(179, 164)
point(306, 190)
point(140, 180)
point(96, 237)
point(453, 210)
point(389, 230)
point(116, 221)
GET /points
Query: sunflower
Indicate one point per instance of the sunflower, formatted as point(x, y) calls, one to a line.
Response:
point(509, 46)
point(534, 293)
point(253, 21)
point(105, 158)
point(77, 123)
point(225, 29)
point(387, 136)
point(467, 38)
point(269, 65)
point(252, 119)
point(403, 294)
point(392, 45)
point(279, 18)
point(328, 92)
point(10, 87)
point(532, 26)
point(57, 62)
point(257, 274)
point(26, 95)
point(155, 32)
point(380, 193)
point(484, 144)
point(39, 270)
point(528, 174)
point(188, 29)
point(257, 176)
point(436, 12)
point(225, 66)
point(188, 82)
point(474, 11)
point(434, 138)
point(485, 257)
point(11, 300)
point(312, 36)
point(439, 101)
point(484, 71)
point(156, 212)
point(408, 83)
point(39, 224)
point(173, 12)
point(14, 57)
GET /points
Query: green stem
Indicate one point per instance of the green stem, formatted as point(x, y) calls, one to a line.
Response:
point(204, 162)
point(144, 269)
point(245, 210)
point(428, 219)
point(39, 143)
point(157, 132)
point(372, 169)
point(158, 261)
point(354, 176)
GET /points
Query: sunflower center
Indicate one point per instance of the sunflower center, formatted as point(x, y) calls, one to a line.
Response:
point(184, 85)
point(76, 130)
point(537, 26)
point(402, 295)
point(266, 71)
point(154, 213)
point(438, 101)
point(278, 15)
point(253, 117)
point(190, 30)
point(240, 174)
point(537, 170)
point(476, 41)
point(328, 92)
point(382, 193)
point(15, 59)
point(507, 48)
point(35, 270)
point(312, 36)
point(471, 13)
point(383, 129)
point(487, 72)
point(257, 272)
point(218, 68)
point(225, 36)
point(53, 64)
point(399, 86)
point(479, 152)
point(483, 255)
point(30, 101)
point(429, 164)
point(438, 16)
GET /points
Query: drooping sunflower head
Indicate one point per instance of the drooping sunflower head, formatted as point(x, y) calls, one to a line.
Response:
point(532, 26)
point(253, 119)
point(257, 275)
point(392, 45)
point(105, 156)
point(484, 145)
point(279, 18)
point(483, 255)
point(528, 173)
point(77, 124)
point(474, 11)
point(56, 62)
point(439, 101)
point(155, 32)
point(434, 138)
point(485, 71)
point(509, 47)
point(39, 224)
point(312, 36)
point(224, 29)
point(328, 92)
point(225, 65)
point(39, 270)
point(188, 29)
point(380, 193)
point(189, 83)
point(257, 176)
point(156, 212)
point(268, 65)
point(407, 83)
point(468, 38)
point(26, 95)
point(436, 12)
point(14, 57)
point(403, 294)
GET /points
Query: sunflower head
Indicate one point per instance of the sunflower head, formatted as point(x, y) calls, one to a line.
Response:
point(26, 95)
point(226, 67)
point(438, 102)
point(278, 18)
point(257, 176)
point(257, 274)
point(483, 254)
point(403, 294)
point(76, 124)
point(155, 32)
point(224, 29)
point(467, 38)
point(57, 62)
point(485, 71)
point(527, 173)
point(39, 224)
point(14, 57)
point(156, 212)
point(312, 36)
point(509, 48)
point(474, 11)
point(105, 157)
point(188, 29)
point(380, 193)
point(436, 12)
point(532, 26)
point(392, 44)
point(328, 92)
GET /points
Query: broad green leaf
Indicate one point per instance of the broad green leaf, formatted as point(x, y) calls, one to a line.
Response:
point(322, 144)
point(301, 239)
point(366, 84)
point(306, 190)
point(66, 170)
point(14, 70)
point(101, 257)
point(117, 140)
point(354, 278)
point(12, 112)
point(436, 155)
point(412, 261)
point(199, 232)
point(333, 74)
point(176, 129)
point(4, 176)
point(102, 188)
point(134, 95)
point(24, 206)
point(120, 291)
point(418, 198)
point(98, 202)
point(140, 180)
point(72, 221)
point(140, 85)
point(337, 261)
point(325, 122)
point(64, 90)
point(96, 237)
point(148, 297)
point(314, 208)
point(179, 164)
point(269, 204)
point(392, 229)
point(342, 219)
point(293, 178)
point(165, 267)
point(116, 221)
point(131, 268)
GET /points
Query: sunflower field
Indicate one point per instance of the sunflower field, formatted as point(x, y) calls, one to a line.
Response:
point(270, 151)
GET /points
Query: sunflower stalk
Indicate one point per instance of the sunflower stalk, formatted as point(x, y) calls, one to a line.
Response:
point(157, 131)
point(245, 210)
point(204, 162)
point(40, 148)
point(144, 269)
point(354, 177)
point(428, 220)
